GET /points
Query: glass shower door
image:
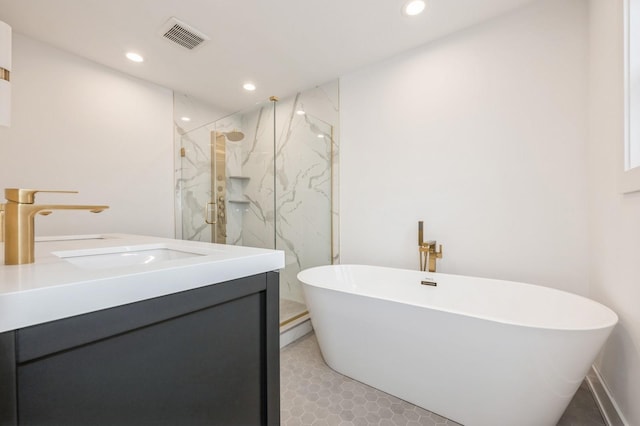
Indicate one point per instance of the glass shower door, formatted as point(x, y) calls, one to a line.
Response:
point(226, 187)
point(304, 178)
point(195, 184)
point(204, 183)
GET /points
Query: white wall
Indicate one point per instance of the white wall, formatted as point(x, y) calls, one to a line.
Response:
point(81, 126)
point(482, 135)
point(614, 269)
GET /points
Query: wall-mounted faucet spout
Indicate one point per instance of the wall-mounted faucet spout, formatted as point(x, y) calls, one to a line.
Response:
point(19, 225)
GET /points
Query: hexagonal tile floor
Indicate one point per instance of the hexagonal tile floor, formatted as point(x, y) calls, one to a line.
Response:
point(312, 394)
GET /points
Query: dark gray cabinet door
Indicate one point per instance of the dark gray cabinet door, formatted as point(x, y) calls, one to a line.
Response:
point(202, 357)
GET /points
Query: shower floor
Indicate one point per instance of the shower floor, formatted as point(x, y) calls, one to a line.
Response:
point(314, 394)
point(290, 308)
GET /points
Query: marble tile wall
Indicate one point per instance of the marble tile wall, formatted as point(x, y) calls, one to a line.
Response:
point(258, 226)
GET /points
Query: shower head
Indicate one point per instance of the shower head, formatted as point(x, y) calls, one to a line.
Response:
point(234, 135)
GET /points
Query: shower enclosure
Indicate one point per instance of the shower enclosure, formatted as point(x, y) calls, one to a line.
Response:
point(265, 178)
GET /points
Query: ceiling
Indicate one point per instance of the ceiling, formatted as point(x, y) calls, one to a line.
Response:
point(283, 46)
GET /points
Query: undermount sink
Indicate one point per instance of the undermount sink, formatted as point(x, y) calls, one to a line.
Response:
point(114, 257)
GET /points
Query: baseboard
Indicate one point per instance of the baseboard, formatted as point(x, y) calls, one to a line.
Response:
point(605, 403)
point(295, 330)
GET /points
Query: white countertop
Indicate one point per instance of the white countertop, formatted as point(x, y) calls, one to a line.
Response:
point(54, 288)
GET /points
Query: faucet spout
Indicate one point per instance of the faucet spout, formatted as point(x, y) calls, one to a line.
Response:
point(19, 214)
point(43, 209)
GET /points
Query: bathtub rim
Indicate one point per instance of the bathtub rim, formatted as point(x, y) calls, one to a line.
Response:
point(606, 325)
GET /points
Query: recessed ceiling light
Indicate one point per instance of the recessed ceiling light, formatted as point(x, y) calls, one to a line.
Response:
point(300, 112)
point(249, 86)
point(185, 119)
point(413, 7)
point(132, 56)
point(320, 135)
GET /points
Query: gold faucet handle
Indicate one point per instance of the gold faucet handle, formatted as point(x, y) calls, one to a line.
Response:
point(27, 196)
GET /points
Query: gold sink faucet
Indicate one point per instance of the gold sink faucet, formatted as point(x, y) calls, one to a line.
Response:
point(19, 225)
point(427, 251)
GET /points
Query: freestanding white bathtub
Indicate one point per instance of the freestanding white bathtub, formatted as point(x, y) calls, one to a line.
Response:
point(477, 351)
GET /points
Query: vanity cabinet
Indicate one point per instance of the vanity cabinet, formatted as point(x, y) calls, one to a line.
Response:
point(207, 356)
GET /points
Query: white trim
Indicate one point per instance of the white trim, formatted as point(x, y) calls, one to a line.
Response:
point(606, 404)
point(293, 333)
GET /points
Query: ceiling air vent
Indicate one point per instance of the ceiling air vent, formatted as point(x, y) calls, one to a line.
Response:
point(183, 34)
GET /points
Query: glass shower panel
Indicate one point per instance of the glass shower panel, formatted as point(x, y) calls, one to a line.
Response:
point(195, 183)
point(303, 199)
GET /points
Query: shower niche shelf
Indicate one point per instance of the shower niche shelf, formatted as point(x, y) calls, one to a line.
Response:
point(239, 201)
point(240, 177)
